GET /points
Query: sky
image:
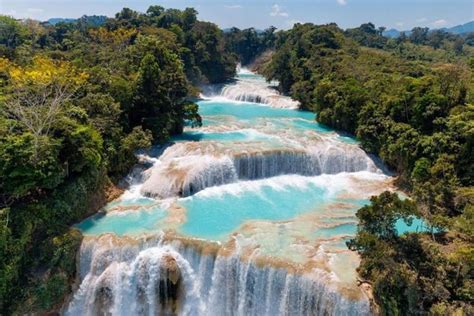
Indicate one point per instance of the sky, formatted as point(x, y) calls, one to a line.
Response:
point(399, 14)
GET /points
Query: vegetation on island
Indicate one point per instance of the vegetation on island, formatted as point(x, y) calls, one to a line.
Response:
point(76, 102)
point(409, 100)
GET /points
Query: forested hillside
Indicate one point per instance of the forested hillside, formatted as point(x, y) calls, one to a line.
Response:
point(76, 101)
point(410, 101)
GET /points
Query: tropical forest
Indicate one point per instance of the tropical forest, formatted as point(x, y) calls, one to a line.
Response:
point(155, 163)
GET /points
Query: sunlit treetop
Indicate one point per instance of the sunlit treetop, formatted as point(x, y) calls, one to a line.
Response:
point(44, 71)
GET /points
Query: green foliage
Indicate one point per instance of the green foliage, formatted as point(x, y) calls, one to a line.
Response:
point(159, 96)
point(59, 256)
point(20, 175)
point(206, 42)
point(124, 156)
point(191, 115)
point(248, 44)
point(465, 222)
point(461, 125)
point(52, 291)
point(368, 35)
point(12, 35)
point(379, 218)
point(410, 273)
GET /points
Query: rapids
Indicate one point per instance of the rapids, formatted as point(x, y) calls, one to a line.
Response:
point(247, 215)
point(250, 88)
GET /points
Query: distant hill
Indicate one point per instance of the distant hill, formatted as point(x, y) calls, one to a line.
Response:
point(54, 21)
point(392, 33)
point(89, 20)
point(458, 29)
point(461, 29)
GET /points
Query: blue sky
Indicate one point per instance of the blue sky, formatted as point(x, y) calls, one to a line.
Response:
point(400, 14)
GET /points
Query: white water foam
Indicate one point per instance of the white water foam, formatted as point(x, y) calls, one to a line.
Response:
point(187, 168)
point(249, 89)
point(331, 184)
point(149, 278)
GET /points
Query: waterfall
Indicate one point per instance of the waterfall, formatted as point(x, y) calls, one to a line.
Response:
point(149, 277)
point(274, 251)
point(250, 88)
point(187, 175)
point(184, 170)
point(256, 93)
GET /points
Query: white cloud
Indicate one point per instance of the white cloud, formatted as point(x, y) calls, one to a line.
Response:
point(234, 6)
point(278, 11)
point(439, 23)
point(342, 2)
point(421, 20)
point(399, 24)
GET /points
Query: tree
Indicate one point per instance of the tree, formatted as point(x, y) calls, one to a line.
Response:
point(128, 15)
point(155, 10)
point(38, 94)
point(419, 35)
point(206, 41)
point(12, 35)
point(379, 218)
point(458, 45)
point(189, 18)
point(159, 95)
point(436, 38)
point(118, 39)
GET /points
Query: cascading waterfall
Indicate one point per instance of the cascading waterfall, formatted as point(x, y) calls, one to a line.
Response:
point(150, 277)
point(182, 171)
point(266, 233)
point(252, 89)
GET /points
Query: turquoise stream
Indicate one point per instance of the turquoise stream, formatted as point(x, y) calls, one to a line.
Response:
point(287, 216)
point(215, 216)
point(251, 225)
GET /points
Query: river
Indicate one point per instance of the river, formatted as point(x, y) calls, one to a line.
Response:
point(246, 215)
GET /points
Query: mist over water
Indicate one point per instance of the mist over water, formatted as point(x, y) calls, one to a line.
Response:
point(247, 215)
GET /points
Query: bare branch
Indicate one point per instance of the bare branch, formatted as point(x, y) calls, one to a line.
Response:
point(38, 108)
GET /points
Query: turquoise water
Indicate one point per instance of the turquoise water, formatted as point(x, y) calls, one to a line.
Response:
point(350, 229)
point(249, 111)
point(218, 212)
point(417, 225)
point(346, 229)
point(240, 135)
point(251, 114)
point(136, 221)
point(214, 214)
point(249, 75)
point(214, 217)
